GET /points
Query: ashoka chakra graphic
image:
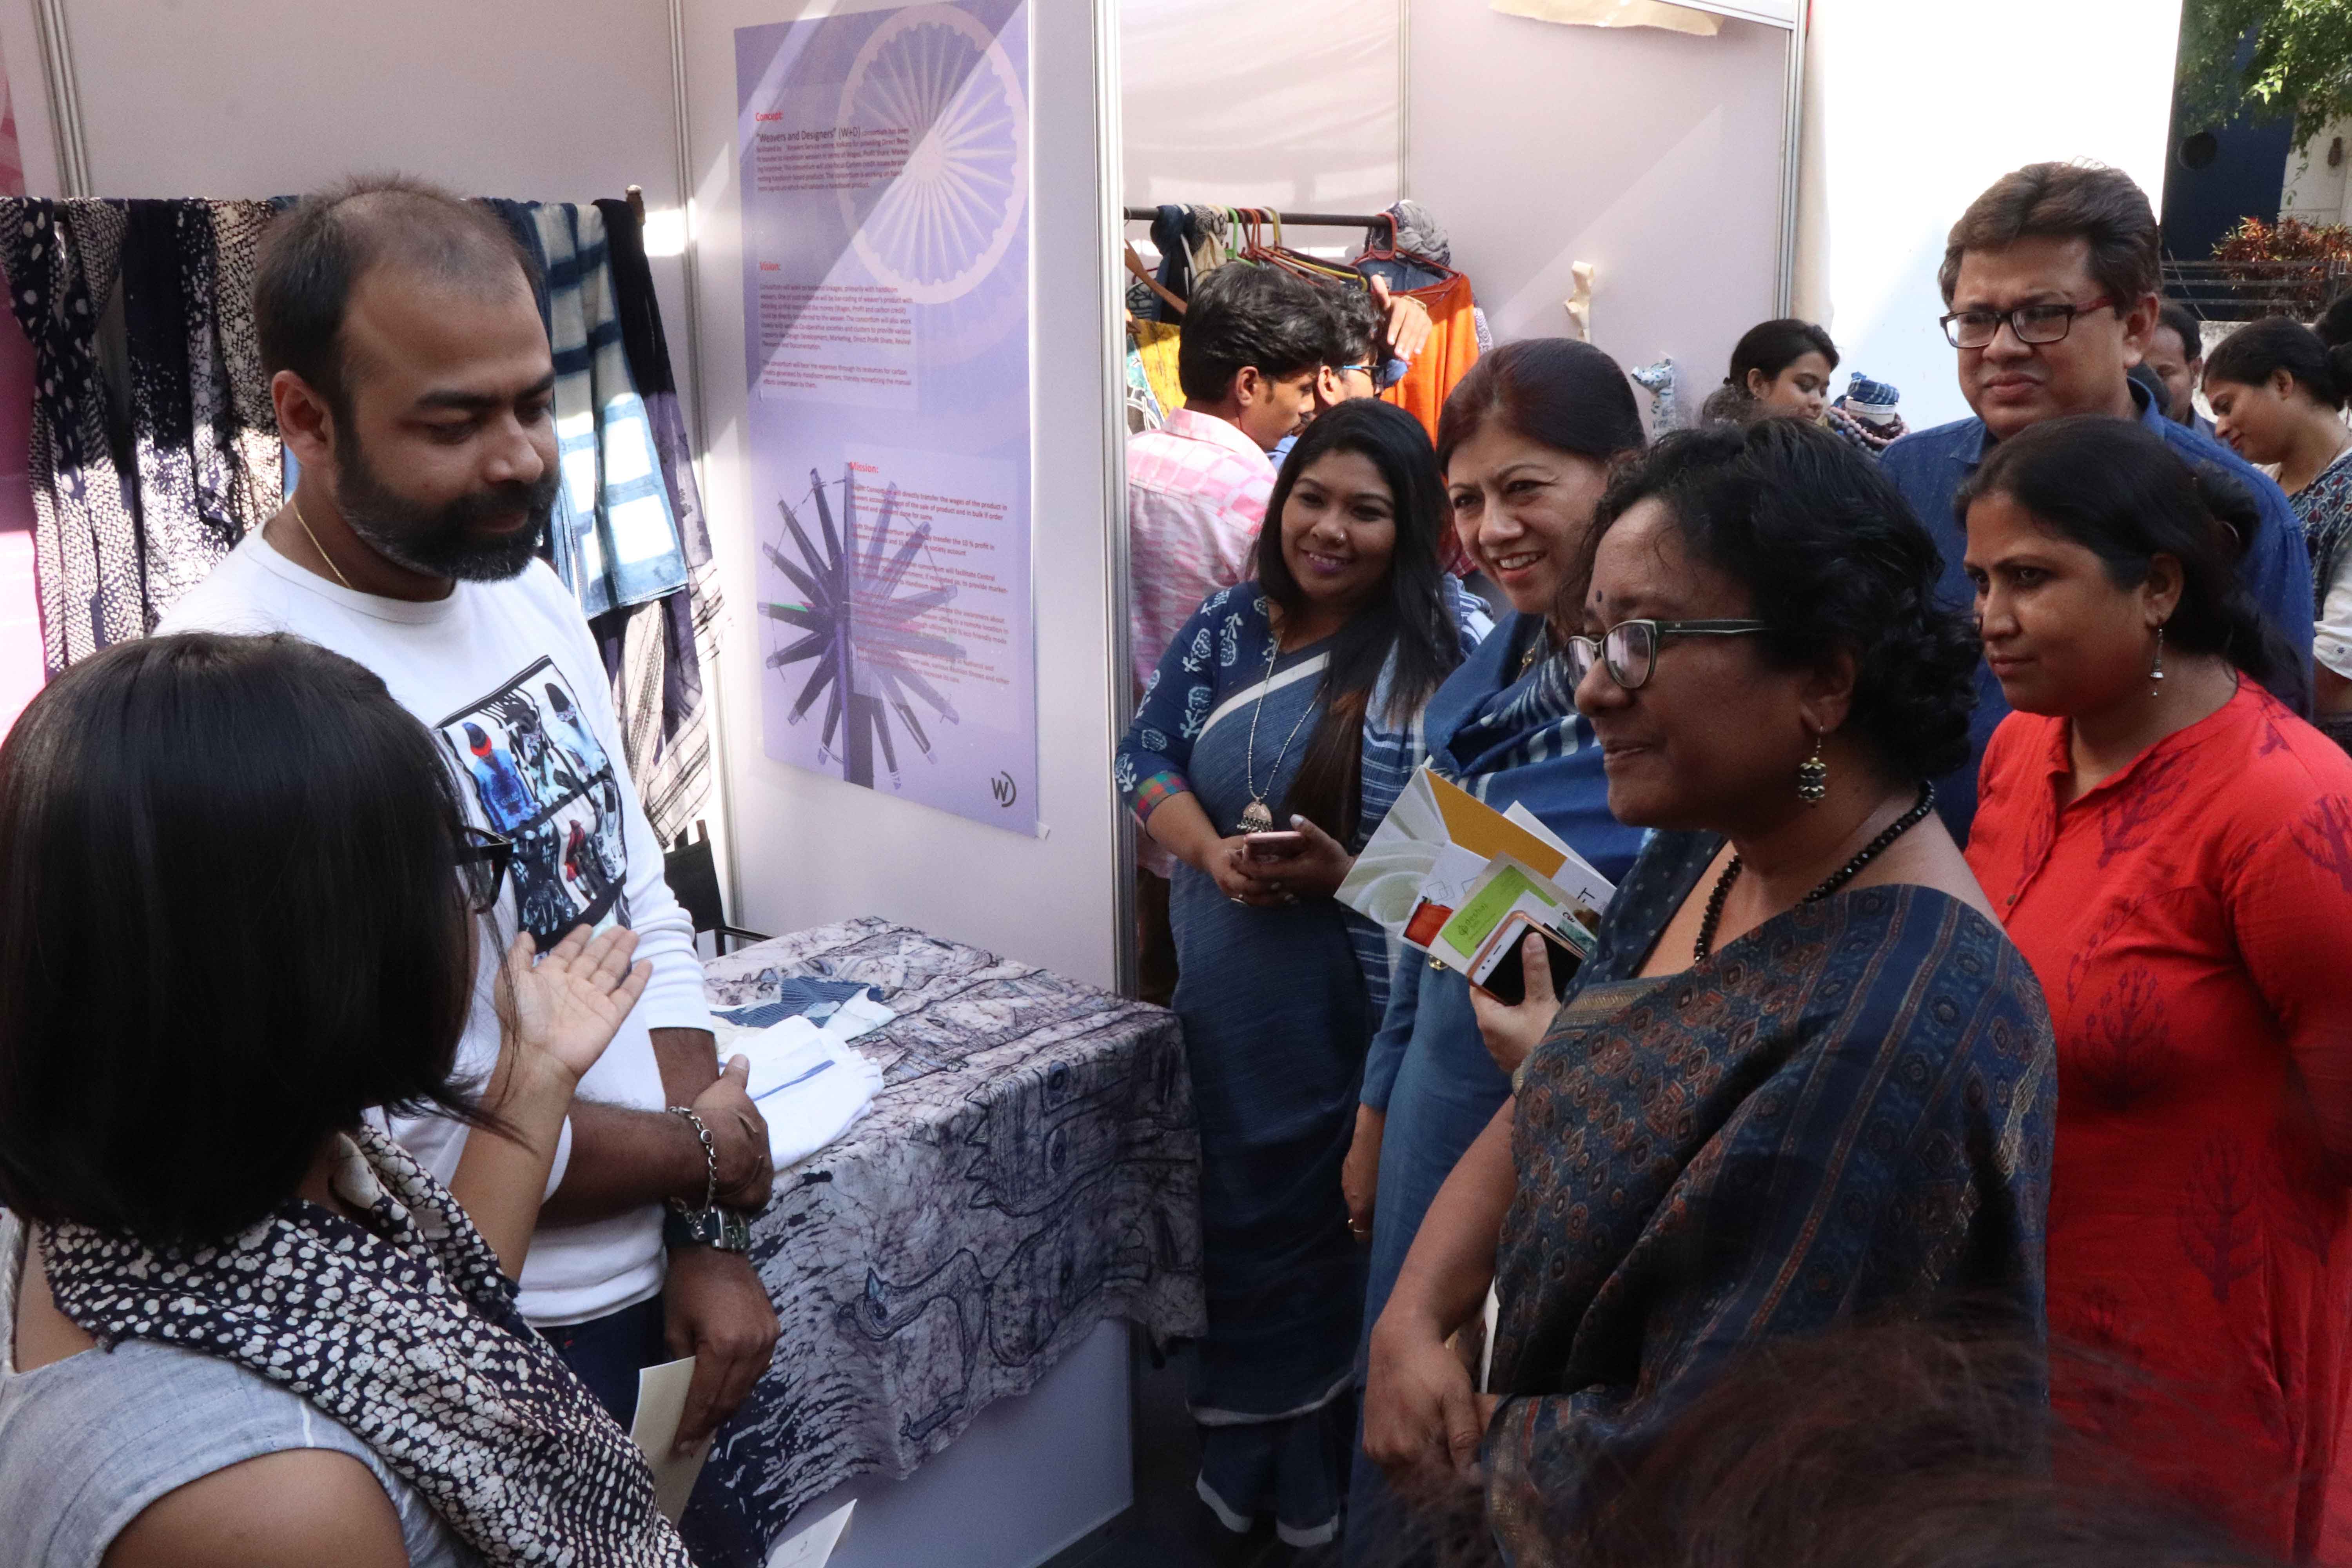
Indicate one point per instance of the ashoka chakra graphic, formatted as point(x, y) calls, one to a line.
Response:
point(938, 228)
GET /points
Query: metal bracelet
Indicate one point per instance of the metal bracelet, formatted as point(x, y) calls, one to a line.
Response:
point(709, 1154)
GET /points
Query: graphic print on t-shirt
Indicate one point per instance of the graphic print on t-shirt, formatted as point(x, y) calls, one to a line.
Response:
point(542, 779)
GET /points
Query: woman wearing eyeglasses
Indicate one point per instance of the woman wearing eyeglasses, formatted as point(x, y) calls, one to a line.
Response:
point(1805, 1077)
point(238, 1324)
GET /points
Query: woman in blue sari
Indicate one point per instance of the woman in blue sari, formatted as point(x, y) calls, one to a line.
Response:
point(1806, 1077)
point(1525, 441)
point(1271, 740)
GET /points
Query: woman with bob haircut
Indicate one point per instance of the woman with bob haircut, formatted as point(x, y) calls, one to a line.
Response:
point(1805, 1077)
point(1272, 740)
point(2171, 847)
point(238, 1324)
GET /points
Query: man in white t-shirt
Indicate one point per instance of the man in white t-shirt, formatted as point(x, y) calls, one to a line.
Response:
point(413, 380)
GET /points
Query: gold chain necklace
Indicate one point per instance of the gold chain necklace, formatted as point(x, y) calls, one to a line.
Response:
point(304, 523)
point(1256, 816)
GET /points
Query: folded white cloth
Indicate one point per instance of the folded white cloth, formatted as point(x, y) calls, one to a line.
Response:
point(810, 1083)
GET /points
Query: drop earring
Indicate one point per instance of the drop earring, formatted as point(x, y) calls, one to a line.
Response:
point(2156, 673)
point(1814, 776)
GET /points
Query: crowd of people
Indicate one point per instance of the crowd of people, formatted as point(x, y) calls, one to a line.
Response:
point(1969, 997)
point(1943, 1147)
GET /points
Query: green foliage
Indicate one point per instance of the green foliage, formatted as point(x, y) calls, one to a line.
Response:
point(2301, 64)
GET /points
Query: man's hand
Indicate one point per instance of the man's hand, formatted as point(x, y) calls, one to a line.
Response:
point(717, 1312)
point(747, 1170)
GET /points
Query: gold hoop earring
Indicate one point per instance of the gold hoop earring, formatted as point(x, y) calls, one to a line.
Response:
point(1813, 777)
point(2156, 674)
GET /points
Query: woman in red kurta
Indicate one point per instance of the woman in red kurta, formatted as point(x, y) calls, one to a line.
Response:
point(2173, 853)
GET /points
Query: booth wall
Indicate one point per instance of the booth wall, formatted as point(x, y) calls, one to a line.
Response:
point(1293, 105)
point(1910, 113)
point(1654, 155)
point(810, 849)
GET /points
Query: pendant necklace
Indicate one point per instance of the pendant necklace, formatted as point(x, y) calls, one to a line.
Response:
point(1256, 816)
point(1705, 946)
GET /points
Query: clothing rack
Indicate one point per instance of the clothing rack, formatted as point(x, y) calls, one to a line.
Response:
point(1289, 220)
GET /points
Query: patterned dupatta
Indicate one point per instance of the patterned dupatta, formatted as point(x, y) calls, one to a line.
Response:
point(403, 1329)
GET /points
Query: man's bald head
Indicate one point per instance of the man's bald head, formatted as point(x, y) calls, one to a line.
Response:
point(314, 257)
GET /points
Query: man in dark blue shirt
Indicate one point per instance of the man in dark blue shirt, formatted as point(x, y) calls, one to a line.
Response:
point(2052, 281)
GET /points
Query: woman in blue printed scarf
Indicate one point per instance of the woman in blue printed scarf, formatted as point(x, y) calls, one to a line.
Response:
point(1525, 441)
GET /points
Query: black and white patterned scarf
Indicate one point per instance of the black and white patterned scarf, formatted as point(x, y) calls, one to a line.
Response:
point(404, 1331)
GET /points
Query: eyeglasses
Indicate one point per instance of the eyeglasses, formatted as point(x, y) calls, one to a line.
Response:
point(482, 860)
point(1628, 650)
point(1370, 372)
point(2032, 323)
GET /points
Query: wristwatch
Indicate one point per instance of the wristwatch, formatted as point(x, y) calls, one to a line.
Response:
point(720, 1229)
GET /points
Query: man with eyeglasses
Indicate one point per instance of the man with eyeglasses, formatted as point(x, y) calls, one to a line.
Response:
point(2051, 280)
point(1374, 335)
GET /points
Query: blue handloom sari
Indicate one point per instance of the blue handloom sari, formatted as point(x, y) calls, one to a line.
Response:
point(1847, 1111)
point(1277, 1006)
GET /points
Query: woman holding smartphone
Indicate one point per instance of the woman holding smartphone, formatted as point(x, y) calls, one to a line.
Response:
point(1273, 737)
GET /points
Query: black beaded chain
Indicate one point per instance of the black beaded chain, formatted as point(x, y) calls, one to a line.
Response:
point(1705, 946)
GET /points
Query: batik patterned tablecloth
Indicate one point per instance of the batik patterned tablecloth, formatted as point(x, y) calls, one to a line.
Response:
point(1030, 1168)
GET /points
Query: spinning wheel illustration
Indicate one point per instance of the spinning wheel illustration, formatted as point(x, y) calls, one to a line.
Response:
point(858, 629)
point(944, 223)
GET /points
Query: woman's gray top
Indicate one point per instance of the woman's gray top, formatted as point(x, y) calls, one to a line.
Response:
point(87, 1442)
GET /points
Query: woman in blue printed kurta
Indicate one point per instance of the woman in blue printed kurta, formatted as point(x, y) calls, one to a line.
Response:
point(1297, 695)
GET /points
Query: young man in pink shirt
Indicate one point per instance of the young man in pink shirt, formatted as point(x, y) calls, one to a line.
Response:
point(1255, 342)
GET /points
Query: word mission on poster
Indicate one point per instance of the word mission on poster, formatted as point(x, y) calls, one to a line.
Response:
point(885, 177)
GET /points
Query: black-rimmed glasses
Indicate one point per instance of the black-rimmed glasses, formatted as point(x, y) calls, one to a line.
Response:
point(1628, 650)
point(482, 860)
point(2032, 323)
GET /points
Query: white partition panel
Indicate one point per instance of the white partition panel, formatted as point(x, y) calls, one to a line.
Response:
point(811, 849)
point(1906, 122)
point(1281, 103)
point(1655, 155)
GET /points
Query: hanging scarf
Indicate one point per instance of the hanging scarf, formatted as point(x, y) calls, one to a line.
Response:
point(2325, 507)
point(115, 549)
point(60, 257)
point(626, 548)
point(166, 252)
point(256, 459)
point(403, 1329)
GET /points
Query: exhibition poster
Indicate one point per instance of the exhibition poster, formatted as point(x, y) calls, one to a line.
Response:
point(885, 179)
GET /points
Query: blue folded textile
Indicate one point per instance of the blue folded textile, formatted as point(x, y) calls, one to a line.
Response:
point(798, 996)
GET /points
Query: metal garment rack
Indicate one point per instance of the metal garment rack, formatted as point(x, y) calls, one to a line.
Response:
point(1287, 220)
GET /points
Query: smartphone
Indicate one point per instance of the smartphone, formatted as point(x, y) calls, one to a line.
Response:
point(1273, 846)
point(1505, 978)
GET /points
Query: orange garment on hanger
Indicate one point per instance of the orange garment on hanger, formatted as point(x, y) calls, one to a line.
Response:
point(1446, 358)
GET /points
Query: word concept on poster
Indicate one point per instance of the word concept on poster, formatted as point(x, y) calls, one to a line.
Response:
point(886, 307)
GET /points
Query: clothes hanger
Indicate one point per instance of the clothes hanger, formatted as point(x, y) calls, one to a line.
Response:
point(1167, 296)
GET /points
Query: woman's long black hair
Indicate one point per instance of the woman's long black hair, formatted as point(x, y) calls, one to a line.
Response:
point(1409, 614)
point(2119, 490)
